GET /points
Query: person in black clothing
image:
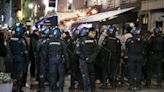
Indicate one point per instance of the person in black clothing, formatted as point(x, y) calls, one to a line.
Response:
point(87, 49)
point(135, 58)
point(3, 52)
point(155, 53)
point(34, 38)
point(111, 47)
point(18, 49)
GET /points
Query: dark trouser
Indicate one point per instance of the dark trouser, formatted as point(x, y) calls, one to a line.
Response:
point(42, 74)
point(75, 72)
point(110, 71)
point(18, 67)
point(56, 75)
point(135, 63)
point(25, 74)
point(88, 75)
point(33, 67)
point(154, 63)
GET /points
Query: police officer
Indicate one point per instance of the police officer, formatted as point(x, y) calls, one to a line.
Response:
point(135, 50)
point(87, 50)
point(76, 80)
point(57, 56)
point(111, 47)
point(156, 49)
point(42, 58)
point(34, 37)
point(19, 52)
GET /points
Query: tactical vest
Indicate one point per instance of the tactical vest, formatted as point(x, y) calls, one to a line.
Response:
point(135, 46)
point(88, 46)
point(17, 46)
point(157, 44)
point(55, 48)
point(111, 43)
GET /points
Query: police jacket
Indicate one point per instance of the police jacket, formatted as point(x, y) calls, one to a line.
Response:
point(41, 48)
point(18, 46)
point(56, 48)
point(112, 45)
point(135, 46)
point(87, 49)
point(156, 45)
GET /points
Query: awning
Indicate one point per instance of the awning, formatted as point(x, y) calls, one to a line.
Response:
point(102, 16)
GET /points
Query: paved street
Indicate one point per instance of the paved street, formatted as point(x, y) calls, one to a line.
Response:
point(119, 89)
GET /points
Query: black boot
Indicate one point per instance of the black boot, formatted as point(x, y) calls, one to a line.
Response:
point(104, 86)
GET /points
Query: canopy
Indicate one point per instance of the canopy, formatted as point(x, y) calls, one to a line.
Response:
point(104, 15)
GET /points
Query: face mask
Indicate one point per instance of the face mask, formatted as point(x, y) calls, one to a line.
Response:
point(92, 34)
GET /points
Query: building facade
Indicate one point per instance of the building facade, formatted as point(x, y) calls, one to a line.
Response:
point(152, 14)
point(114, 4)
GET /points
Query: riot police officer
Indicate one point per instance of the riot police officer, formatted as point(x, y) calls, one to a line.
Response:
point(76, 79)
point(87, 50)
point(156, 49)
point(19, 52)
point(111, 47)
point(57, 57)
point(42, 58)
point(135, 51)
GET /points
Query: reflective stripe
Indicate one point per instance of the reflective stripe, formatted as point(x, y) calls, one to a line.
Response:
point(54, 43)
point(112, 38)
point(89, 41)
point(14, 39)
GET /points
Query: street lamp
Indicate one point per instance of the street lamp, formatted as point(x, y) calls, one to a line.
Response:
point(31, 6)
point(45, 2)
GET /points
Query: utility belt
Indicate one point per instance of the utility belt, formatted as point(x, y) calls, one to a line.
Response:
point(59, 58)
point(17, 53)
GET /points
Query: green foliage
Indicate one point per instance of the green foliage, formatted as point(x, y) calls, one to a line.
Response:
point(5, 78)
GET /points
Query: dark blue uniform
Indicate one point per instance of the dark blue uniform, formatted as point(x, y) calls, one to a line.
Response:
point(18, 51)
point(135, 50)
point(42, 60)
point(87, 50)
point(57, 56)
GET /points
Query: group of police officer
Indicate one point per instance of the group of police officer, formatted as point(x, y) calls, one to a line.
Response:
point(56, 53)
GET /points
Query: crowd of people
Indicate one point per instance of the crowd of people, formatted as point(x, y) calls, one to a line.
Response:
point(86, 54)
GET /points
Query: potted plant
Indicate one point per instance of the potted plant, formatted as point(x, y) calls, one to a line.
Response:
point(5, 82)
